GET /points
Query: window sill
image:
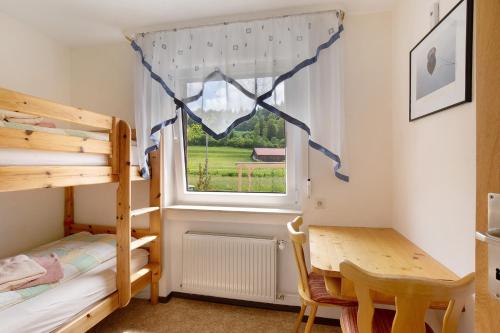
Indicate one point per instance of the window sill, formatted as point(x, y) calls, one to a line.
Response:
point(234, 209)
point(220, 214)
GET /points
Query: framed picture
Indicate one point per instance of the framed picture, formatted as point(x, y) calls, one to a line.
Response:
point(441, 64)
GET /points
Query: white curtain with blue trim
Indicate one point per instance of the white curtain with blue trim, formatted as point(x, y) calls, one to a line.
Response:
point(221, 74)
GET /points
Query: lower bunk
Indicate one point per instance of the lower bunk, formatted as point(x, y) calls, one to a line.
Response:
point(85, 295)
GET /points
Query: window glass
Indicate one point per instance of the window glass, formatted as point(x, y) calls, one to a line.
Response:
point(252, 158)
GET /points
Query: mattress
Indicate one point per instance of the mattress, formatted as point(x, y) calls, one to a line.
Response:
point(11, 157)
point(27, 157)
point(55, 307)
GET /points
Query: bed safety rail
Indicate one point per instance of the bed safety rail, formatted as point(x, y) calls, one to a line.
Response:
point(15, 178)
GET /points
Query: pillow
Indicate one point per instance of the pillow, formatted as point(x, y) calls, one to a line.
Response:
point(18, 117)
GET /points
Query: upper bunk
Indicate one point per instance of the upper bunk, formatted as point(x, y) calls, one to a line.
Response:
point(33, 157)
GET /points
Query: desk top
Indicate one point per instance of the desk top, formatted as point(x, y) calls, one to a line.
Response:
point(377, 250)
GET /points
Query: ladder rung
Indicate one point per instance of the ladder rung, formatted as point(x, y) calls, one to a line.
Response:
point(142, 241)
point(152, 267)
point(141, 211)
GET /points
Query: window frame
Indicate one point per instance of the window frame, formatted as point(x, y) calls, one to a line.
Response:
point(289, 200)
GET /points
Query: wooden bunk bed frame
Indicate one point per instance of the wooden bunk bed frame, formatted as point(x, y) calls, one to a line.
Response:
point(119, 169)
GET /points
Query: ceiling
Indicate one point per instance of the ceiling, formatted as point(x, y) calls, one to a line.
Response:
point(87, 22)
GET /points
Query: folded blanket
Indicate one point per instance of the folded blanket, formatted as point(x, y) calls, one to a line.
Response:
point(77, 254)
point(18, 270)
point(54, 272)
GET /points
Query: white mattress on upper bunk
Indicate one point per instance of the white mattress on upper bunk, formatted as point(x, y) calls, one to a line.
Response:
point(27, 157)
point(9, 156)
point(55, 307)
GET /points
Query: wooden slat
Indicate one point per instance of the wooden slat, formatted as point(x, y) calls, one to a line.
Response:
point(24, 139)
point(142, 241)
point(69, 209)
point(115, 157)
point(18, 102)
point(143, 272)
point(16, 178)
point(107, 229)
point(89, 318)
point(142, 211)
point(135, 174)
point(123, 219)
point(141, 282)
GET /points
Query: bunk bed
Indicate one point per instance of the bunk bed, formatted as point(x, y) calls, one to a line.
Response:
point(75, 160)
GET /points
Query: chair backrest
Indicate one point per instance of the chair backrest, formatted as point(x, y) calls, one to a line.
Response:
point(298, 238)
point(413, 296)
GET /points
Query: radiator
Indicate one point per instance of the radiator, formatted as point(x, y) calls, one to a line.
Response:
point(230, 266)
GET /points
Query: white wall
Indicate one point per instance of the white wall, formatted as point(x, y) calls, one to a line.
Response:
point(368, 68)
point(35, 64)
point(434, 158)
point(101, 81)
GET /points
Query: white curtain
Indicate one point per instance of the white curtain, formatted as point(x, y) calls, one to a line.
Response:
point(221, 74)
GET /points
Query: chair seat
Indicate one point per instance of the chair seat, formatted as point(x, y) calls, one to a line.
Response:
point(321, 295)
point(382, 320)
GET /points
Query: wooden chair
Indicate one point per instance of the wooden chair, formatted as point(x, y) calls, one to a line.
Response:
point(312, 288)
point(412, 297)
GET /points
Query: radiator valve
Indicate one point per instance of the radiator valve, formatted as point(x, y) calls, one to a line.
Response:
point(281, 244)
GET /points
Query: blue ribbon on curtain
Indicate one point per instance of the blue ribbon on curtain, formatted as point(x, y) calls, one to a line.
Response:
point(260, 101)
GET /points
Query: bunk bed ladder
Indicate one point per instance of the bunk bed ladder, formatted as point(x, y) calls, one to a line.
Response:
point(124, 224)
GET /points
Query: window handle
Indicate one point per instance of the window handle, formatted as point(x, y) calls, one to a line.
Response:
point(490, 237)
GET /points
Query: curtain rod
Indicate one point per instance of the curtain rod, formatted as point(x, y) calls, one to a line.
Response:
point(341, 17)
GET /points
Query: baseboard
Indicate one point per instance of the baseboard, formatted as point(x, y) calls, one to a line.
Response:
point(250, 304)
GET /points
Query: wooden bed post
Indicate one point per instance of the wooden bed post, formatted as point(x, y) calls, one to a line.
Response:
point(123, 218)
point(155, 220)
point(69, 209)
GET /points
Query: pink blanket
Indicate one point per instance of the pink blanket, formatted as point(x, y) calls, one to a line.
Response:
point(18, 270)
point(54, 272)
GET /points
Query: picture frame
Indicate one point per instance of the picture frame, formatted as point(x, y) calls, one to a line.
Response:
point(441, 64)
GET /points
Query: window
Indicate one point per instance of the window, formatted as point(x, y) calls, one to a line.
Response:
point(252, 158)
point(255, 158)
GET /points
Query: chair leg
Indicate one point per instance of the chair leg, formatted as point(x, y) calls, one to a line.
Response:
point(298, 321)
point(310, 321)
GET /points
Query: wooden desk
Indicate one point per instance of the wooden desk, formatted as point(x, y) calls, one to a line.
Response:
point(378, 250)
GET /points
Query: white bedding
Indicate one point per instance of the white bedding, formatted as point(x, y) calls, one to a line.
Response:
point(12, 157)
point(53, 308)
